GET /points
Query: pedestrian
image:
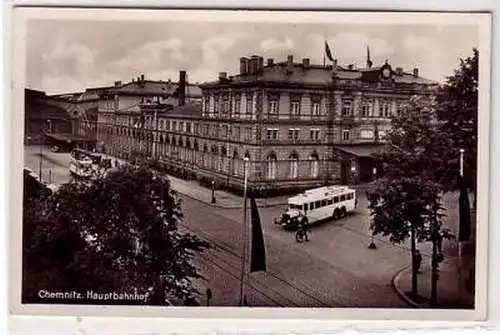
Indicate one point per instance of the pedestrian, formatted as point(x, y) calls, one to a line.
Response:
point(418, 260)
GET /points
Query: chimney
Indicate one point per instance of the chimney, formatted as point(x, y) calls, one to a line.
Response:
point(290, 60)
point(244, 65)
point(254, 63)
point(415, 72)
point(182, 88)
point(399, 71)
point(260, 66)
point(118, 83)
point(270, 62)
point(306, 62)
point(142, 77)
point(222, 76)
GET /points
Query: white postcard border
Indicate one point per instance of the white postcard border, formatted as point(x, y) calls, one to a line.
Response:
point(20, 18)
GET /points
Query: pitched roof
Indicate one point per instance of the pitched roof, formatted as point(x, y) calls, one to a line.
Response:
point(297, 73)
point(191, 109)
point(157, 88)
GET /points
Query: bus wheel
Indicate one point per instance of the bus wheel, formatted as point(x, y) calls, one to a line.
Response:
point(336, 214)
point(343, 212)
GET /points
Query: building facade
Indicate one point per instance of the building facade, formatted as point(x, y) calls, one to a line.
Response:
point(299, 125)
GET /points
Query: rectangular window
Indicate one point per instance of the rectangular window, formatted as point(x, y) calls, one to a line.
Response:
point(207, 104)
point(323, 203)
point(273, 107)
point(237, 133)
point(314, 134)
point(311, 205)
point(248, 133)
point(366, 110)
point(272, 134)
point(317, 204)
point(249, 104)
point(330, 201)
point(237, 105)
point(347, 108)
point(342, 197)
point(335, 199)
point(346, 135)
point(295, 108)
point(293, 134)
point(306, 207)
point(315, 109)
point(174, 126)
point(216, 104)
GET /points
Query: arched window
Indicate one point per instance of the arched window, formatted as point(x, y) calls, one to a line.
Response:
point(223, 151)
point(314, 165)
point(195, 145)
point(205, 148)
point(294, 165)
point(271, 166)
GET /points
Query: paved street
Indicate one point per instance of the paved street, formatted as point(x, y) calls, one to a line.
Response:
point(335, 268)
point(55, 166)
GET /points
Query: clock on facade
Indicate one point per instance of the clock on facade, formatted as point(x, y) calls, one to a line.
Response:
point(386, 72)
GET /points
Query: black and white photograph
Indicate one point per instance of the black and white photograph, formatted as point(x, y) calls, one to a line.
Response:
point(250, 159)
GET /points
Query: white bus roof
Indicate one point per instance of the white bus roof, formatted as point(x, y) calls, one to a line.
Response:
point(320, 193)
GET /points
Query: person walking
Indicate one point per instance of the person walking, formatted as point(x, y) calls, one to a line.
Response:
point(418, 260)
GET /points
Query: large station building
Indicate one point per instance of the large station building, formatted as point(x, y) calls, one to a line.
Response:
point(299, 125)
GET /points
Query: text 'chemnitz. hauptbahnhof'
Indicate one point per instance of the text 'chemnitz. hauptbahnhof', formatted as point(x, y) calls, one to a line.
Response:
point(294, 125)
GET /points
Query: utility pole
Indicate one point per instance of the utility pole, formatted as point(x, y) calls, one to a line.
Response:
point(414, 283)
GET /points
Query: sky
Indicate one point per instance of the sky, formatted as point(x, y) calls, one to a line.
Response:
point(69, 56)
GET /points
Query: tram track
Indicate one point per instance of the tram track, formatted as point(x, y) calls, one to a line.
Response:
point(307, 293)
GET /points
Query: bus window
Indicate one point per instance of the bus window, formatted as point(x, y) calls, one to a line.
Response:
point(306, 207)
point(293, 206)
point(317, 204)
point(323, 203)
point(311, 205)
point(350, 196)
point(330, 201)
point(335, 199)
point(342, 197)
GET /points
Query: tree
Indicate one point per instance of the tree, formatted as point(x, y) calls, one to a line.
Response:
point(118, 233)
point(457, 107)
point(406, 201)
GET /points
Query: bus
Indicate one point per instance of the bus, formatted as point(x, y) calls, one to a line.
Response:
point(83, 163)
point(319, 204)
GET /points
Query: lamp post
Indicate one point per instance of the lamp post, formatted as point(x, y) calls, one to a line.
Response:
point(40, 161)
point(353, 173)
point(213, 192)
point(244, 233)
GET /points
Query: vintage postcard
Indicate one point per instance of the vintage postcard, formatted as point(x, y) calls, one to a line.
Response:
point(225, 163)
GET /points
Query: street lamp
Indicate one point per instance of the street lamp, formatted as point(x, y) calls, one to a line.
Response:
point(40, 161)
point(244, 233)
point(213, 192)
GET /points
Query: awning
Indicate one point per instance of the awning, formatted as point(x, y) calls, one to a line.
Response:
point(68, 137)
point(360, 150)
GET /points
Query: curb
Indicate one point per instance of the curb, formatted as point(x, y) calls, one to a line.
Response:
point(401, 294)
point(227, 207)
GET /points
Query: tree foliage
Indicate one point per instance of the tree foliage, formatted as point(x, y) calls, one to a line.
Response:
point(457, 107)
point(416, 172)
point(118, 233)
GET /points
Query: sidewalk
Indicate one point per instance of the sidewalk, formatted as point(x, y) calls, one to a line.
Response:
point(447, 285)
point(226, 200)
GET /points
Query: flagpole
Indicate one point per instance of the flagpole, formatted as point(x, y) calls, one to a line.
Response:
point(244, 233)
point(462, 162)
